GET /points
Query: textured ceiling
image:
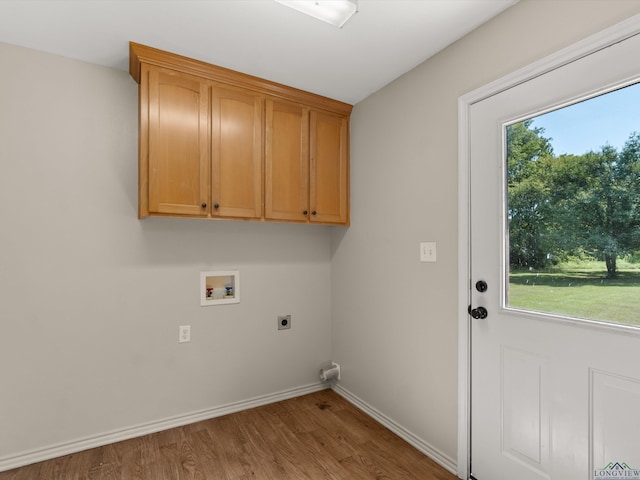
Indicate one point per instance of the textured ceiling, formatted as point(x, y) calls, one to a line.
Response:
point(385, 39)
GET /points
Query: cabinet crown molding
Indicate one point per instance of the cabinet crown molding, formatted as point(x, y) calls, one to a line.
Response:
point(139, 54)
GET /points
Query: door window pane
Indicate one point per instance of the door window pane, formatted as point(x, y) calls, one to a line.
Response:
point(573, 210)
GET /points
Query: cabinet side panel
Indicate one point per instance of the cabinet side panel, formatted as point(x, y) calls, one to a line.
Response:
point(143, 143)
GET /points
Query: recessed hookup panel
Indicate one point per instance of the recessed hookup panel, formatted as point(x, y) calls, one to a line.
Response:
point(219, 287)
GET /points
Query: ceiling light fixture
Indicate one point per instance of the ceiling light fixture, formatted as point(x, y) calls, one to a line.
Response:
point(335, 12)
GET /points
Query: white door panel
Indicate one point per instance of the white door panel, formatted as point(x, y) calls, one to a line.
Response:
point(611, 394)
point(551, 397)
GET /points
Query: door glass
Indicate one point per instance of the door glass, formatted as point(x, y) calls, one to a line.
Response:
point(573, 210)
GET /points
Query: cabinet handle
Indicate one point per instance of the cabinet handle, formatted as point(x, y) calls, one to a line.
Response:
point(204, 205)
point(313, 212)
point(216, 206)
point(305, 212)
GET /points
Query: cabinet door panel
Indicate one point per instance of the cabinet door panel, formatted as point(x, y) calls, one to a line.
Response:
point(287, 162)
point(237, 153)
point(178, 143)
point(329, 164)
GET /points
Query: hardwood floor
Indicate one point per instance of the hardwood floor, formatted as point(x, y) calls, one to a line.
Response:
point(313, 437)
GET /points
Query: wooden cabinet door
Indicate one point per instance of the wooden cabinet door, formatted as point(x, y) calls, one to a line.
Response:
point(237, 122)
point(329, 168)
point(174, 129)
point(287, 162)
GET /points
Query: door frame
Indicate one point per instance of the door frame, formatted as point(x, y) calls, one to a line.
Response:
point(583, 48)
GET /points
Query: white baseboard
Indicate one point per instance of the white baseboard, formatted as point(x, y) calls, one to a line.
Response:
point(58, 450)
point(429, 450)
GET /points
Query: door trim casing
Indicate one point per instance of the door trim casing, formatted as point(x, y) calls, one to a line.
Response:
point(594, 43)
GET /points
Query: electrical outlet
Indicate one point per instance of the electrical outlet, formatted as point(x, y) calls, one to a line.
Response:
point(184, 334)
point(284, 322)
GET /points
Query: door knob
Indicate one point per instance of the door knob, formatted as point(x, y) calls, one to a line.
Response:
point(481, 286)
point(478, 313)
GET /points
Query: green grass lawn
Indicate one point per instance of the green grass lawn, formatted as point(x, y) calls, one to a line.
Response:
point(579, 290)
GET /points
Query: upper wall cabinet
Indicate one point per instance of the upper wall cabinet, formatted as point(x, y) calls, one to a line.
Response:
point(215, 143)
point(174, 143)
point(307, 169)
point(237, 125)
point(201, 150)
point(329, 168)
point(287, 162)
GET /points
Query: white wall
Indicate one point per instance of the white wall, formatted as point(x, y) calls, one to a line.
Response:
point(91, 297)
point(395, 319)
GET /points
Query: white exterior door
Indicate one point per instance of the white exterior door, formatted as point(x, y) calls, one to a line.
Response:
point(552, 397)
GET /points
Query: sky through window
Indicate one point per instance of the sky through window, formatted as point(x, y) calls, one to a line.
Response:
point(605, 120)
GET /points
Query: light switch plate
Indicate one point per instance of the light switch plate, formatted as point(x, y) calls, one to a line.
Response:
point(427, 251)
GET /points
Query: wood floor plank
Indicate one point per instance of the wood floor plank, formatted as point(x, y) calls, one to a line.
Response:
point(319, 436)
